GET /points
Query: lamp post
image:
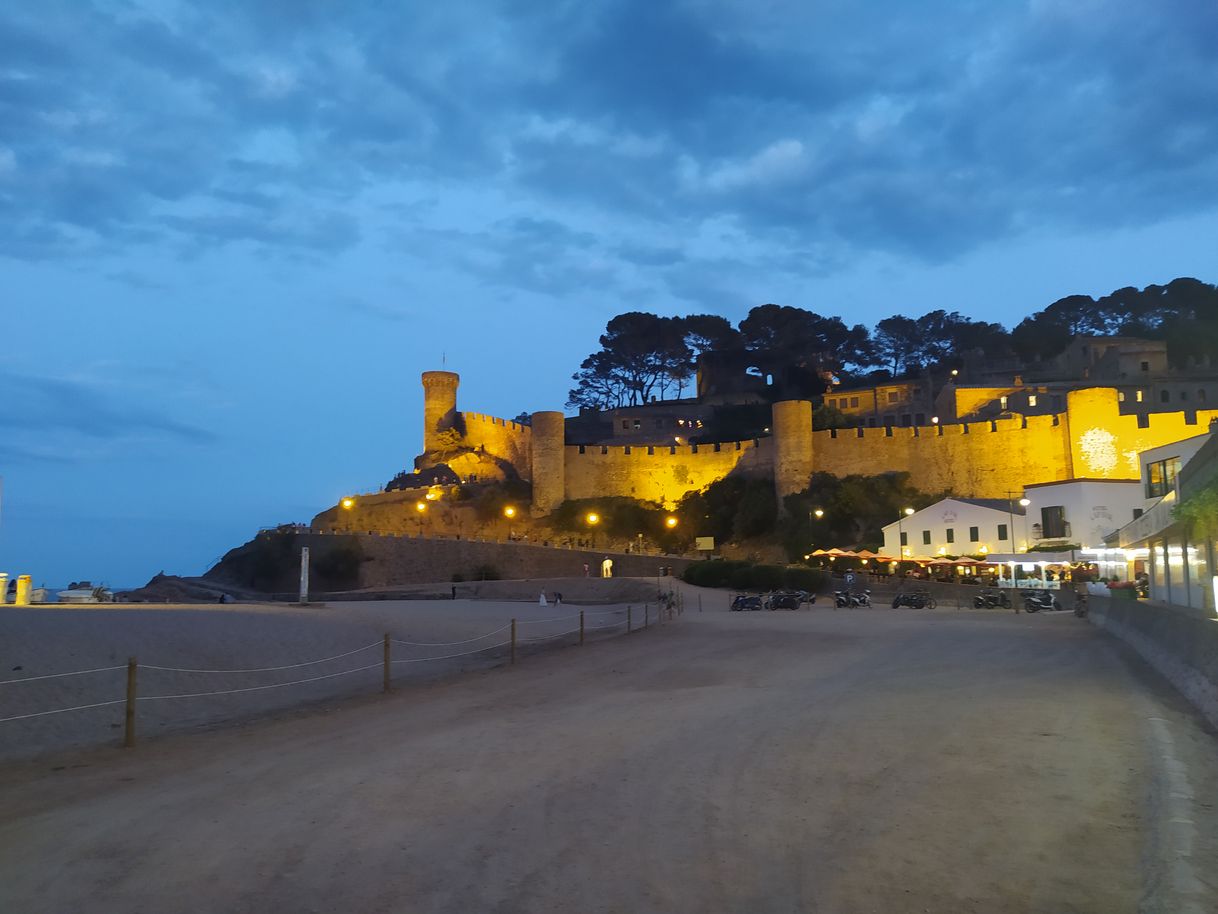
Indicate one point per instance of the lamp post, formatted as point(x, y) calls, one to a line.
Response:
point(509, 512)
point(420, 508)
point(905, 512)
point(1023, 503)
point(592, 519)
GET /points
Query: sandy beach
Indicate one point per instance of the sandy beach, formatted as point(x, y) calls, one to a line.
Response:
point(208, 640)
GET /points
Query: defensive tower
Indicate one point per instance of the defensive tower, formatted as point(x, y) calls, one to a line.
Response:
point(791, 421)
point(439, 405)
point(549, 461)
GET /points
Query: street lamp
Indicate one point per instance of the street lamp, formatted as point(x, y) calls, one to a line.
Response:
point(905, 512)
point(509, 512)
point(348, 502)
point(670, 522)
point(592, 519)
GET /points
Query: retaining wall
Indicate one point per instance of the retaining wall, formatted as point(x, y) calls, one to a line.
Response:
point(1181, 644)
point(392, 561)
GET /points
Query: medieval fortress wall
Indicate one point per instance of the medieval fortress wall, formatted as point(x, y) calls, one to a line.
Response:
point(988, 459)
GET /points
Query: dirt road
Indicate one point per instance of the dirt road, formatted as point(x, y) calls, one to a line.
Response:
point(869, 761)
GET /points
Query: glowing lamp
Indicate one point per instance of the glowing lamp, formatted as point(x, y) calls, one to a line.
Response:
point(420, 506)
point(509, 511)
point(670, 522)
point(819, 512)
point(348, 503)
point(593, 519)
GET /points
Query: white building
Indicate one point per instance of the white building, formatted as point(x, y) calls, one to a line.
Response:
point(958, 526)
point(1081, 512)
point(1180, 568)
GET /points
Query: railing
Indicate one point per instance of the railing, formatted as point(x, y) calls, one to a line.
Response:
point(198, 682)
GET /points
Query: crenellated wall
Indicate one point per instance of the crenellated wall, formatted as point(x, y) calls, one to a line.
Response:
point(660, 473)
point(501, 438)
point(987, 459)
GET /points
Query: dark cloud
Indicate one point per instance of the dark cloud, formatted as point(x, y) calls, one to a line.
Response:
point(922, 129)
point(36, 406)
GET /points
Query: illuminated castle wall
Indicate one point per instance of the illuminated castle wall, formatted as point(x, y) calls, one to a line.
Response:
point(1090, 440)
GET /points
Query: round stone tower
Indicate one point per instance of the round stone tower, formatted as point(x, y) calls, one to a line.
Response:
point(439, 404)
point(548, 459)
point(791, 423)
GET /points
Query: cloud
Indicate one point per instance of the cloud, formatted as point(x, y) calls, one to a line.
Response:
point(71, 419)
point(813, 125)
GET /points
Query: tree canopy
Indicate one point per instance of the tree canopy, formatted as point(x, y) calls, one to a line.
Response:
point(645, 356)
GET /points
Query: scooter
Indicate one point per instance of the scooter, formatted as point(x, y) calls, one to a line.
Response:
point(1036, 600)
point(843, 599)
point(989, 599)
point(914, 599)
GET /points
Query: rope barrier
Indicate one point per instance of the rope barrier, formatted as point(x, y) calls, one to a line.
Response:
point(100, 704)
point(451, 643)
point(264, 669)
point(277, 685)
point(540, 621)
point(451, 656)
point(574, 631)
point(100, 669)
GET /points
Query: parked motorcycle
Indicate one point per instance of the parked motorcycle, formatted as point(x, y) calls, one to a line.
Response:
point(786, 600)
point(746, 603)
point(991, 599)
point(844, 599)
point(1036, 600)
point(914, 599)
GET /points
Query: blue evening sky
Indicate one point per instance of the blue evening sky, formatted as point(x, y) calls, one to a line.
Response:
point(233, 233)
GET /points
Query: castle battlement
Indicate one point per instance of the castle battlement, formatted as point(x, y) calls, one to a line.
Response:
point(1090, 439)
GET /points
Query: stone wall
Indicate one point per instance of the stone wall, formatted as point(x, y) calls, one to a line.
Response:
point(661, 474)
point(1181, 644)
point(501, 438)
point(400, 560)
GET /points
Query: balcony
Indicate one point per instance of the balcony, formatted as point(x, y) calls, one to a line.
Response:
point(1059, 531)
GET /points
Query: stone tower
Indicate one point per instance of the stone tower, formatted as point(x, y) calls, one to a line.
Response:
point(791, 424)
point(1093, 422)
point(548, 459)
point(439, 404)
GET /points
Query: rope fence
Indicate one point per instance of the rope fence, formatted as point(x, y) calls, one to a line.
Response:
point(386, 663)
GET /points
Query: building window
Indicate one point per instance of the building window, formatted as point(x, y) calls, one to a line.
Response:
point(904, 539)
point(951, 534)
point(920, 419)
point(1002, 531)
point(1137, 512)
point(638, 423)
point(1053, 522)
point(1146, 366)
point(1139, 396)
point(854, 401)
point(925, 537)
point(1184, 395)
point(1161, 476)
point(626, 424)
point(1031, 399)
point(889, 419)
point(974, 534)
point(1164, 396)
point(1002, 402)
point(906, 420)
point(893, 396)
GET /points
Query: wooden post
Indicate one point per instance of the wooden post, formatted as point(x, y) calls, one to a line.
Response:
point(646, 614)
point(129, 721)
point(386, 675)
point(699, 602)
point(581, 628)
point(513, 641)
point(628, 614)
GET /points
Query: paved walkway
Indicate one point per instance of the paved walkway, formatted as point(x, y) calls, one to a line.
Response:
point(812, 761)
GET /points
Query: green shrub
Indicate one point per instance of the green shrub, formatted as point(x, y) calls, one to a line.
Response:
point(751, 576)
